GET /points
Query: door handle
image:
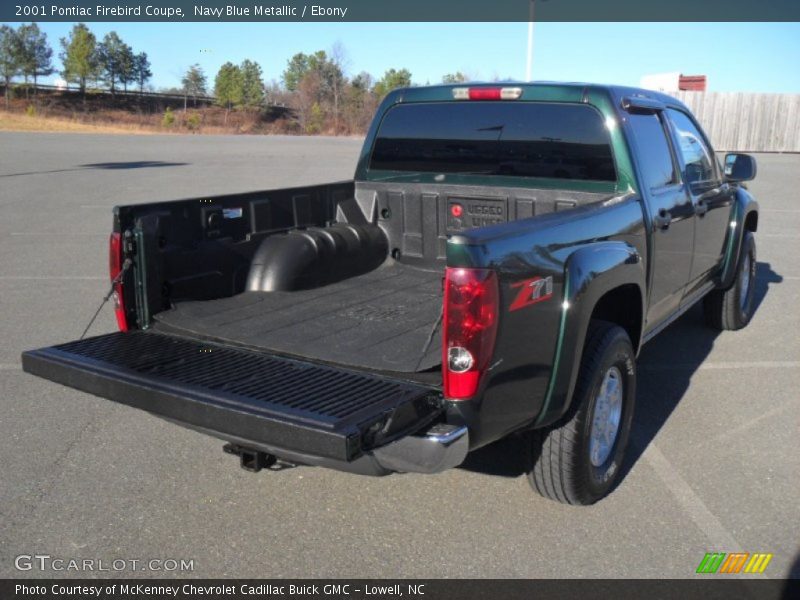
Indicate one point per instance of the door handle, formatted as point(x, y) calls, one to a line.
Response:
point(701, 208)
point(662, 219)
point(710, 193)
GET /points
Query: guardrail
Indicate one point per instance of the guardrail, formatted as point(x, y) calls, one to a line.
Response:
point(104, 91)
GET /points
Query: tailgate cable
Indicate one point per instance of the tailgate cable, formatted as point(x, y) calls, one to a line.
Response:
point(430, 339)
point(125, 266)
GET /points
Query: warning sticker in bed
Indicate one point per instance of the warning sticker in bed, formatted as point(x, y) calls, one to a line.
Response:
point(467, 213)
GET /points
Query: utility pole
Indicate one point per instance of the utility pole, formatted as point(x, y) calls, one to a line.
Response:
point(529, 66)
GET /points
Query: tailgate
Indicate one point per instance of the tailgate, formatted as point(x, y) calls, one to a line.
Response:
point(315, 409)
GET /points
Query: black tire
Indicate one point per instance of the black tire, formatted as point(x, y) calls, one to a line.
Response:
point(733, 308)
point(562, 468)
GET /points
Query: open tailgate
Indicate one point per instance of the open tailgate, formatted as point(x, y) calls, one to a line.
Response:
point(280, 402)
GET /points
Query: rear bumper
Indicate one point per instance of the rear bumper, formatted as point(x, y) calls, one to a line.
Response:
point(439, 448)
point(432, 451)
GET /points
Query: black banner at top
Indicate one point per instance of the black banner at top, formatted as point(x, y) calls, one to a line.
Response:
point(398, 10)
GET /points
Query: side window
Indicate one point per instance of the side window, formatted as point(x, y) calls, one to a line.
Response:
point(696, 154)
point(655, 157)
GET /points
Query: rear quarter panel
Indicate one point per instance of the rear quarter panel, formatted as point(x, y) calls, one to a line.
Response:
point(586, 251)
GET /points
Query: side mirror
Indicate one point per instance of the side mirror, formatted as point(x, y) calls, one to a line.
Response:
point(739, 167)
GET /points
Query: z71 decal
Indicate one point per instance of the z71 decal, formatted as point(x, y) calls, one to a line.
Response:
point(532, 291)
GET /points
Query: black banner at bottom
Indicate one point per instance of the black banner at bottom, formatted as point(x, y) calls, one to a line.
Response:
point(704, 587)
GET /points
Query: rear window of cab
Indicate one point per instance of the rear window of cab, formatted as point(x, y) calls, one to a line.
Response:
point(510, 139)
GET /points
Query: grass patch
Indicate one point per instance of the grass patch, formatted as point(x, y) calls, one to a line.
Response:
point(10, 121)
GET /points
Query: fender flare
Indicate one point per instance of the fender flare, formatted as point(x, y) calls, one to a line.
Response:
point(744, 206)
point(589, 274)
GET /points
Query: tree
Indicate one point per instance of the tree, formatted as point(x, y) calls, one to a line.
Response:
point(141, 70)
point(316, 119)
point(228, 87)
point(296, 69)
point(35, 53)
point(363, 81)
point(194, 83)
point(9, 56)
point(457, 77)
point(301, 65)
point(252, 84)
point(329, 74)
point(79, 56)
point(305, 98)
point(116, 61)
point(392, 80)
point(359, 102)
point(127, 73)
point(316, 79)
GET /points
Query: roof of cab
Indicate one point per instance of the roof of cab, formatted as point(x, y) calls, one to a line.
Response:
point(553, 91)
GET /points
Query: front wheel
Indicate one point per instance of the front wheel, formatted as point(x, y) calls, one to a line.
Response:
point(579, 460)
point(733, 308)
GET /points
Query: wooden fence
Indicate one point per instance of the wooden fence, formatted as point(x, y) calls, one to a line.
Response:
point(747, 122)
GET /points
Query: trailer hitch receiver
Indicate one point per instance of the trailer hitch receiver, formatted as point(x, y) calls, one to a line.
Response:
point(249, 459)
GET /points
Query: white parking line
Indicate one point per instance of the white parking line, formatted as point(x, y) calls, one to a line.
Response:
point(58, 234)
point(54, 277)
point(692, 504)
point(749, 424)
point(755, 364)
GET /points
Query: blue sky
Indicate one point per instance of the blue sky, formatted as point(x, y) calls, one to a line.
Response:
point(757, 57)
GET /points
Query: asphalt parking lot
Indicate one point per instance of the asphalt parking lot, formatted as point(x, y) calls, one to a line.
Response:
point(714, 466)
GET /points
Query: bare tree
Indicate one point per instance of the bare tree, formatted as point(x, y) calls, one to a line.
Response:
point(339, 63)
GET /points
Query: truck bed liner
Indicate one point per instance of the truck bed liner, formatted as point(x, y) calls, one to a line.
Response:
point(303, 407)
point(381, 320)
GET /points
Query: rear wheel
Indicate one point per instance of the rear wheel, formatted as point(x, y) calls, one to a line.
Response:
point(578, 461)
point(733, 308)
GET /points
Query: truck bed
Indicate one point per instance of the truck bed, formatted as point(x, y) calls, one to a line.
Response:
point(385, 320)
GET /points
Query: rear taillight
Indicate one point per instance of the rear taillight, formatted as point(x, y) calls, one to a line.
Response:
point(471, 300)
point(115, 261)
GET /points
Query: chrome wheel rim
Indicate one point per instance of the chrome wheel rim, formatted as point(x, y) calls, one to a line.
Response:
point(606, 418)
point(744, 289)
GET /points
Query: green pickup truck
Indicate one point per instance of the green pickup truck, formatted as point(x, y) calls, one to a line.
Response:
point(494, 267)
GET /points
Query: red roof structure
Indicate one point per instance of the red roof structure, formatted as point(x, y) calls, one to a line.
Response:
point(693, 83)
